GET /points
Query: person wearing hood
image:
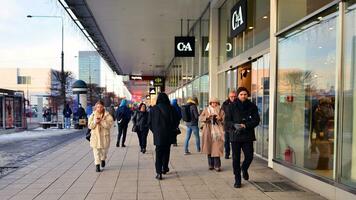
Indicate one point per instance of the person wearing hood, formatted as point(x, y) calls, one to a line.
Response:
point(240, 121)
point(140, 124)
point(192, 125)
point(123, 117)
point(213, 133)
point(163, 122)
point(100, 123)
point(179, 114)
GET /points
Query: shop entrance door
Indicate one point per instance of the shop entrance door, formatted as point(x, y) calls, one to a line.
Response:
point(260, 96)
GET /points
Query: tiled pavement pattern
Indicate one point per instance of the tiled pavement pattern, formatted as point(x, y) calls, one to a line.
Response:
point(68, 173)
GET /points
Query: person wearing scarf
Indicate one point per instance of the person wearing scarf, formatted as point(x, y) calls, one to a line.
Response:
point(100, 123)
point(213, 133)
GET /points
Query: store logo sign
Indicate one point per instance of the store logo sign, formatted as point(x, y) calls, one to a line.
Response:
point(184, 46)
point(238, 18)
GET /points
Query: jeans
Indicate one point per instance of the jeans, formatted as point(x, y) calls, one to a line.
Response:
point(247, 148)
point(195, 130)
point(67, 122)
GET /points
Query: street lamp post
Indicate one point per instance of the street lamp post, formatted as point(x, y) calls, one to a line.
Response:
point(62, 56)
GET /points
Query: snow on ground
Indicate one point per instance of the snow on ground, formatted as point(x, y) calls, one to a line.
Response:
point(34, 134)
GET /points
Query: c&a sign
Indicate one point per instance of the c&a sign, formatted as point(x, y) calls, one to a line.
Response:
point(238, 18)
point(184, 46)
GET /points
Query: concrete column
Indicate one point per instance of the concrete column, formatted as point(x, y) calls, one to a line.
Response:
point(213, 52)
point(273, 84)
point(83, 100)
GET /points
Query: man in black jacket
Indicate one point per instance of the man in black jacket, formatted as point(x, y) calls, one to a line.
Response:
point(232, 98)
point(240, 121)
point(163, 121)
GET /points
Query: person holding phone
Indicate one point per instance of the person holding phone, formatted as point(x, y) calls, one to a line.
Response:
point(213, 133)
point(100, 123)
point(241, 119)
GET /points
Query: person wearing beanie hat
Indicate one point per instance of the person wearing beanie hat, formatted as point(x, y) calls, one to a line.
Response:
point(241, 119)
point(212, 119)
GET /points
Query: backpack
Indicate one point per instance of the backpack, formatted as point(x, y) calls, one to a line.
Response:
point(186, 115)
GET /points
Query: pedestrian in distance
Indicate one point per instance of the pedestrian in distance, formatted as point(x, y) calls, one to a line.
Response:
point(179, 114)
point(163, 122)
point(123, 117)
point(100, 123)
point(140, 125)
point(240, 121)
point(212, 119)
point(190, 115)
point(67, 113)
point(227, 144)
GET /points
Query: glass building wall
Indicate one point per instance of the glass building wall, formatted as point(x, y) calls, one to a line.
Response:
point(187, 77)
point(258, 27)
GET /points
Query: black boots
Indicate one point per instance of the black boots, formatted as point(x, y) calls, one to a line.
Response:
point(159, 176)
point(103, 163)
point(237, 182)
point(245, 175)
point(165, 171)
point(97, 168)
point(117, 144)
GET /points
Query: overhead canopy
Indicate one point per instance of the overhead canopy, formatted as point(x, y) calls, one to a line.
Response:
point(135, 36)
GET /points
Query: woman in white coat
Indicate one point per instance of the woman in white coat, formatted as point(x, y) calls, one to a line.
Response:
point(100, 123)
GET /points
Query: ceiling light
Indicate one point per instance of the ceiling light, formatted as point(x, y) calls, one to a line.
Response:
point(320, 47)
point(251, 27)
point(265, 17)
point(320, 18)
point(331, 28)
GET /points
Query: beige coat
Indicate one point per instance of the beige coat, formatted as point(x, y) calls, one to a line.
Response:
point(100, 133)
point(210, 146)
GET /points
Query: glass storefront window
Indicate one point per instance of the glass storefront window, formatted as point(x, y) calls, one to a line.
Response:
point(288, 16)
point(348, 171)
point(1, 113)
point(257, 31)
point(306, 95)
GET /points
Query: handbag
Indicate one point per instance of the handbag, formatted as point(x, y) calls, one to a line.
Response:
point(88, 134)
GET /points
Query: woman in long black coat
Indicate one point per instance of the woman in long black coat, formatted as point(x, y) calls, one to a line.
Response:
point(163, 122)
point(140, 123)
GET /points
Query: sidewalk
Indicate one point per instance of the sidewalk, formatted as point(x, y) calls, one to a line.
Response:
point(69, 173)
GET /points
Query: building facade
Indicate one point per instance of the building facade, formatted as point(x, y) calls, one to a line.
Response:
point(297, 58)
point(89, 67)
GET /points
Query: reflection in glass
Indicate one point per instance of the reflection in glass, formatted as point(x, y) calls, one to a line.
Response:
point(306, 95)
point(348, 172)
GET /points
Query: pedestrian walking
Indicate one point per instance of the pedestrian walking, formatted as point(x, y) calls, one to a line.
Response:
point(163, 122)
point(190, 115)
point(67, 113)
point(213, 133)
point(240, 121)
point(227, 144)
point(123, 117)
point(100, 123)
point(140, 125)
point(179, 114)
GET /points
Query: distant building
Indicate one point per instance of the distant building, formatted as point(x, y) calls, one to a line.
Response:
point(89, 67)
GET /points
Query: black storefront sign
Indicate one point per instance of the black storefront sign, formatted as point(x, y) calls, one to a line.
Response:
point(238, 18)
point(184, 46)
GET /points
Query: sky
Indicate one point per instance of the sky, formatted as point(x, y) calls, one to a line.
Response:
point(36, 42)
